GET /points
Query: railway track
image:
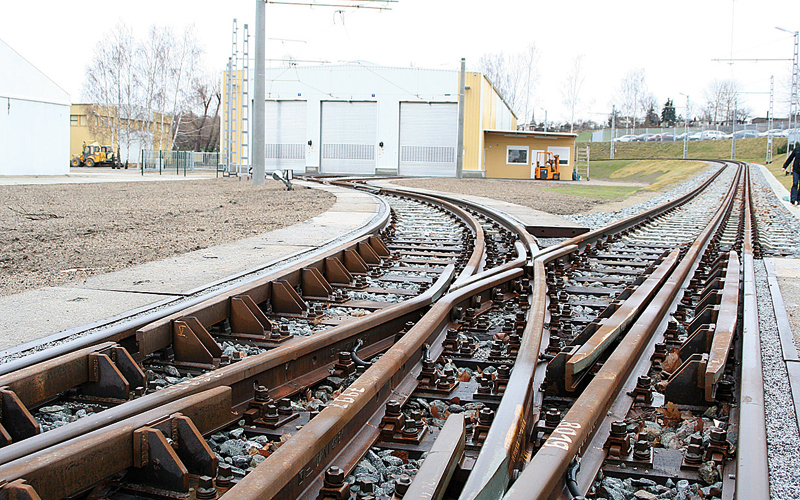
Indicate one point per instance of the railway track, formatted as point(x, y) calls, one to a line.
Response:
point(444, 356)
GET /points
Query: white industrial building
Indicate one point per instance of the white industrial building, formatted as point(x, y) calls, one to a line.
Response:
point(365, 119)
point(34, 119)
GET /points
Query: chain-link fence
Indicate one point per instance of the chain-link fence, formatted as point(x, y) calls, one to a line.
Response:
point(180, 161)
point(670, 133)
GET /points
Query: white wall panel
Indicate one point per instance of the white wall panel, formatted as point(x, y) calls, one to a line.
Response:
point(349, 136)
point(428, 139)
point(34, 138)
point(285, 128)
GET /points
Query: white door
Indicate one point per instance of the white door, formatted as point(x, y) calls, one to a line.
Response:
point(428, 139)
point(349, 134)
point(534, 156)
point(286, 140)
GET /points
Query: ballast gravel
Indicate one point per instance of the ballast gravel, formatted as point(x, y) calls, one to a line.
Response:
point(783, 435)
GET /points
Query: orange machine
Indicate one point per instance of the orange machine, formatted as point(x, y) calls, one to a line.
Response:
point(547, 166)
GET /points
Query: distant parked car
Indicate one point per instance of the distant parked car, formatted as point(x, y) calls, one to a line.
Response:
point(775, 132)
point(713, 135)
point(696, 136)
point(627, 138)
point(681, 137)
point(645, 137)
point(745, 134)
point(667, 136)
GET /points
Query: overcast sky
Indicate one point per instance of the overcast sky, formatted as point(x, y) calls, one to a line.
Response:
point(674, 42)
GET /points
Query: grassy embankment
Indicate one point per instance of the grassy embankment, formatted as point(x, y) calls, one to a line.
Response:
point(750, 150)
point(646, 175)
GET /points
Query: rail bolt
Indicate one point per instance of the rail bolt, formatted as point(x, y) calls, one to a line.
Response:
point(552, 418)
point(366, 487)
point(392, 408)
point(619, 428)
point(285, 406)
point(401, 485)
point(262, 394)
point(485, 416)
point(503, 371)
point(643, 382)
point(410, 429)
point(224, 476)
point(641, 450)
point(272, 414)
point(334, 477)
point(205, 489)
point(694, 454)
point(344, 357)
point(719, 436)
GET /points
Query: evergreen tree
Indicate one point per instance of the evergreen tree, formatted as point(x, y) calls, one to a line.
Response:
point(651, 119)
point(668, 114)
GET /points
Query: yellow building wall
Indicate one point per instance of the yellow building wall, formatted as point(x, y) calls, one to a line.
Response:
point(496, 144)
point(80, 131)
point(483, 106)
point(236, 116)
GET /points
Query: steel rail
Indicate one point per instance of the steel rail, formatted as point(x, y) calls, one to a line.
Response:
point(545, 472)
point(159, 334)
point(123, 325)
point(282, 368)
point(75, 465)
point(751, 464)
point(531, 246)
point(507, 438)
point(287, 473)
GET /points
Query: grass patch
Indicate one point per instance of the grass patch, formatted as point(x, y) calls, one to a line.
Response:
point(751, 150)
point(659, 174)
point(607, 193)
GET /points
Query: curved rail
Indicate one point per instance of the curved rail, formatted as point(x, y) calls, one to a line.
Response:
point(546, 470)
point(493, 471)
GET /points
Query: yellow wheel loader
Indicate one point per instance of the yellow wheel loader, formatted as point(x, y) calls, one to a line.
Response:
point(96, 155)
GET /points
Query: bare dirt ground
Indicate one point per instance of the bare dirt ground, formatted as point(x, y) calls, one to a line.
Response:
point(530, 194)
point(54, 233)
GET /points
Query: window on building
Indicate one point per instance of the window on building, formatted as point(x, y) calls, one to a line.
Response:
point(517, 155)
point(563, 153)
point(83, 120)
point(73, 120)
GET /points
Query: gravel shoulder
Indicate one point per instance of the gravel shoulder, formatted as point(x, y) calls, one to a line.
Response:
point(51, 234)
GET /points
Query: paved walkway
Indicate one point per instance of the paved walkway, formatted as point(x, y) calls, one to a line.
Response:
point(36, 314)
point(780, 191)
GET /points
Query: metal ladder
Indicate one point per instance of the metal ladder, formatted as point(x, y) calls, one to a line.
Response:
point(581, 162)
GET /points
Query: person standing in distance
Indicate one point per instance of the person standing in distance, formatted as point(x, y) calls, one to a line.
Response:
point(795, 155)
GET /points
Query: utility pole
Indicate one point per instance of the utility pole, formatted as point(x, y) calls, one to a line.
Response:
point(733, 132)
point(793, 121)
point(259, 84)
point(259, 94)
point(613, 129)
point(770, 118)
point(686, 130)
point(462, 91)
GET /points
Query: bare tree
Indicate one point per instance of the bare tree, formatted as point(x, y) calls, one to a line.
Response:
point(110, 88)
point(631, 93)
point(571, 89)
point(514, 78)
point(724, 102)
point(153, 71)
point(200, 126)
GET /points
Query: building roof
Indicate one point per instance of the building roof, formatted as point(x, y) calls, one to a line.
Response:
point(532, 133)
point(19, 79)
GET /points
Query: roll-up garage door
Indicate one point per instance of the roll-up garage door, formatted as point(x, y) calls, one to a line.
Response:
point(428, 139)
point(349, 133)
point(286, 135)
